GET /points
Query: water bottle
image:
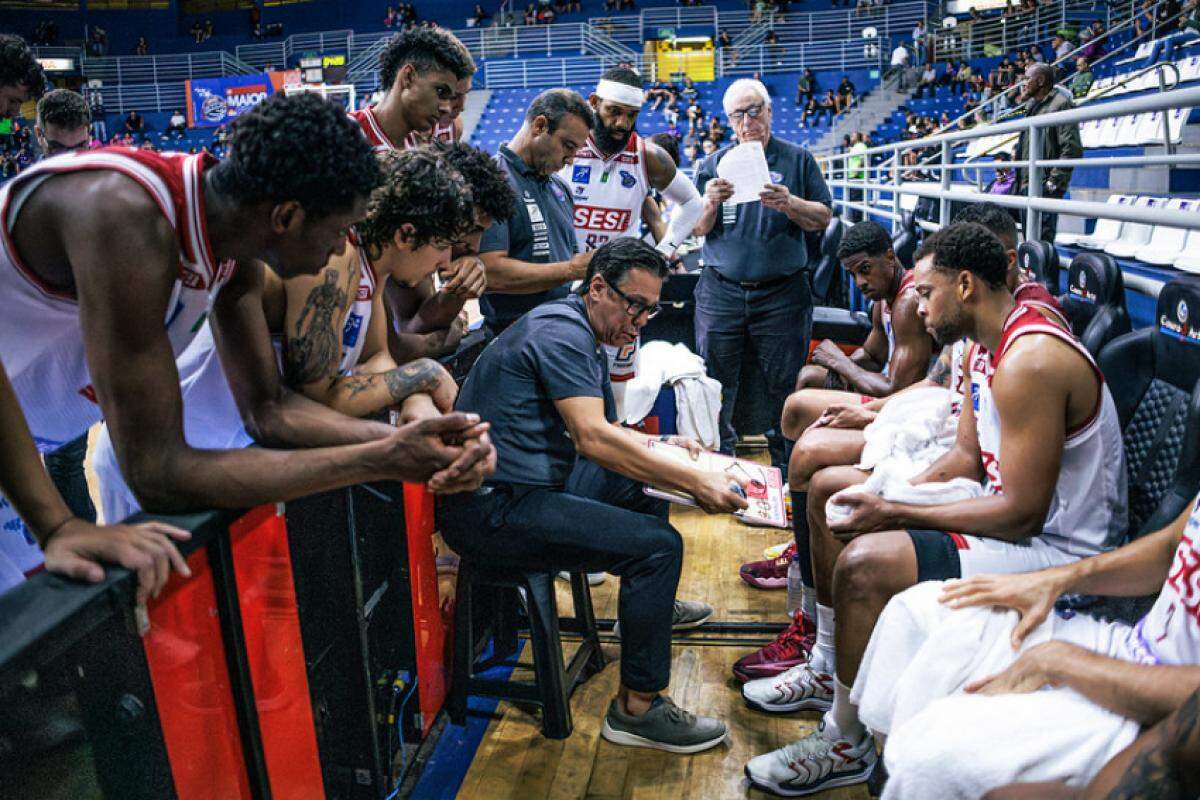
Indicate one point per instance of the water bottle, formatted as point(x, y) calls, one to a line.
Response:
point(795, 587)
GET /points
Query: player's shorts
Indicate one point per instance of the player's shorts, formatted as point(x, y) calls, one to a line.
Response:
point(944, 555)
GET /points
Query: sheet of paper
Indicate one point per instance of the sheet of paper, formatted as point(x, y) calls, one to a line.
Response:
point(764, 484)
point(745, 166)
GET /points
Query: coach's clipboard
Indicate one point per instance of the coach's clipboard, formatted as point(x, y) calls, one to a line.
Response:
point(764, 485)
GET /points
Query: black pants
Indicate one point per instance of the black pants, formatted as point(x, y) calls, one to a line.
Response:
point(1050, 221)
point(65, 466)
point(772, 324)
point(601, 522)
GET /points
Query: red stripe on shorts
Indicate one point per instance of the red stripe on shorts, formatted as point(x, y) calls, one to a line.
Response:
point(960, 541)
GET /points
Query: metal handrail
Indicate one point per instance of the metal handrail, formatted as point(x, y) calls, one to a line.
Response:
point(1032, 203)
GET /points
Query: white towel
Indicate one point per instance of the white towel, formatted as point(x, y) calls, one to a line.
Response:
point(888, 482)
point(911, 432)
point(697, 406)
point(697, 397)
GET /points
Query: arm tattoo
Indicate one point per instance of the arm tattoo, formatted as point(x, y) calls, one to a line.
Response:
point(939, 373)
point(358, 383)
point(414, 378)
point(314, 350)
point(1157, 772)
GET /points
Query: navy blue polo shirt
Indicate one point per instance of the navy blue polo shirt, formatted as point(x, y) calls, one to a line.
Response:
point(541, 231)
point(549, 354)
point(749, 242)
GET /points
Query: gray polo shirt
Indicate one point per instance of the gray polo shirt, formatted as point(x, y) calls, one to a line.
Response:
point(541, 231)
point(751, 243)
point(549, 354)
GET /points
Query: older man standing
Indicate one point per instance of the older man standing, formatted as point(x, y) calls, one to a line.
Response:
point(1057, 141)
point(753, 288)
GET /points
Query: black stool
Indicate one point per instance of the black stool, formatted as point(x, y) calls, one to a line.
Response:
point(553, 683)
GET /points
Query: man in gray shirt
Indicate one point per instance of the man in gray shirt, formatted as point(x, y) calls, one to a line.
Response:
point(1057, 141)
point(753, 288)
point(531, 257)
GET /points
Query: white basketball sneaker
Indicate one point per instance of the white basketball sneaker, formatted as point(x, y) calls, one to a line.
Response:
point(800, 688)
point(813, 765)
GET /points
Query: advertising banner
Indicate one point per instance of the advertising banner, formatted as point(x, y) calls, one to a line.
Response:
point(219, 101)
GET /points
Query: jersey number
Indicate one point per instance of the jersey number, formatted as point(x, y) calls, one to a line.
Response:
point(594, 240)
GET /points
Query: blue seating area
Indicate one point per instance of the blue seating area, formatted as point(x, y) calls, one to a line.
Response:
point(506, 109)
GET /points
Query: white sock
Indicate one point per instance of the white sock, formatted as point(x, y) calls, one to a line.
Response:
point(841, 721)
point(808, 602)
point(822, 654)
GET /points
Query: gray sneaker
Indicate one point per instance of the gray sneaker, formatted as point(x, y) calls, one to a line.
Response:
point(665, 726)
point(688, 614)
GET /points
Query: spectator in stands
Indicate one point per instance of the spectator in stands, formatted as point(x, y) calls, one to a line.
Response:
point(806, 88)
point(1006, 180)
point(708, 147)
point(856, 171)
point(1164, 17)
point(962, 77)
point(135, 124)
point(689, 88)
point(1062, 47)
point(919, 44)
point(694, 114)
point(391, 18)
point(754, 283)
point(1057, 142)
point(928, 83)
point(691, 152)
point(1187, 33)
point(97, 41)
point(1081, 83)
point(947, 77)
point(716, 130)
point(61, 127)
point(1143, 22)
point(899, 63)
point(772, 42)
point(845, 95)
point(142, 48)
point(177, 125)
point(827, 105)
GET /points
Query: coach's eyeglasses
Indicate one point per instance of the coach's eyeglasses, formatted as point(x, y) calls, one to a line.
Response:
point(753, 112)
point(636, 308)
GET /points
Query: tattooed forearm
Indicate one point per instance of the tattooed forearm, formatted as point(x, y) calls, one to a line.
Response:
point(313, 351)
point(939, 373)
point(1165, 769)
point(413, 378)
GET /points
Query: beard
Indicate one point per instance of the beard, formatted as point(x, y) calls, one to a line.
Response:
point(950, 329)
point(607, 140)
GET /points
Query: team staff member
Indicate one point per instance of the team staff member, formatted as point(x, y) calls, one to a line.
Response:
point(753, 284)
point(546, 379)
point(532, 257)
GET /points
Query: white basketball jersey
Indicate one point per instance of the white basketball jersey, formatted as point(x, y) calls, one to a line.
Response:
point(358, 317)
point(608, 192)
point(1088, 513)
point(40, 339)
point(1170, 632)
point(622, 368)
point(885, 315)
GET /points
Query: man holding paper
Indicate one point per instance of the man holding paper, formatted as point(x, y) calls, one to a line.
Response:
point(568, 492)
point(760, 197)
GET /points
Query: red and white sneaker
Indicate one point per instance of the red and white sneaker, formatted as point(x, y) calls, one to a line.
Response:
point(770, 573)
point(801, 688)
point(817, 762)
point(793, 646)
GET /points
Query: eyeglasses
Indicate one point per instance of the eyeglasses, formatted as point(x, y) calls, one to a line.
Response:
point(636, 308)
point(753, 112)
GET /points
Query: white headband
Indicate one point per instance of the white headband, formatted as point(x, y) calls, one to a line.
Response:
point(621, 93)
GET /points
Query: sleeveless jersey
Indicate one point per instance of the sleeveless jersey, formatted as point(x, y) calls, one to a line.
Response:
point(443, 131)
point(40, 337)
point(622, 368)
point(358, 317)
point(906, 284)
point(1170, 632)
point(1088, 512)
point(608, 192)
point(369, 123)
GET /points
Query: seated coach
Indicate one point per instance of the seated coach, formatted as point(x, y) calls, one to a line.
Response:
point(568, 494)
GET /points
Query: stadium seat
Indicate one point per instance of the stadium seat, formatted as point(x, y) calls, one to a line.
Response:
point(905, 245)
point(1041, 259)
point(827, 276)
point(1189, 259)
point(1106, 230)
point(1095, 301)
point(1166, 243)
point(1152, 374)
point(1134, 235)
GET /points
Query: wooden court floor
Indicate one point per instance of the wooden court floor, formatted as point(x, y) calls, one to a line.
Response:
point(515, 761)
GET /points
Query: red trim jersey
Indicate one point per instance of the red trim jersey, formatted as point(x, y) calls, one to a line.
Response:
point(369, 123)
point(1170, 632)
point(608, 192)
point(885, 315)
point(40, 337)
point(1088, 513)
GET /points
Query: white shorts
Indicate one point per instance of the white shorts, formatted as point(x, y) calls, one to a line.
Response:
point(944, 743)
point(943, 555)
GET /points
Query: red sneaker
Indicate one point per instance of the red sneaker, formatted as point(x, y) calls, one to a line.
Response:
point(771, 573)
point(792, 647)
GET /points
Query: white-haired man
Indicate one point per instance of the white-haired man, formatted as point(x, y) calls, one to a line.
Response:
point(753, 287)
